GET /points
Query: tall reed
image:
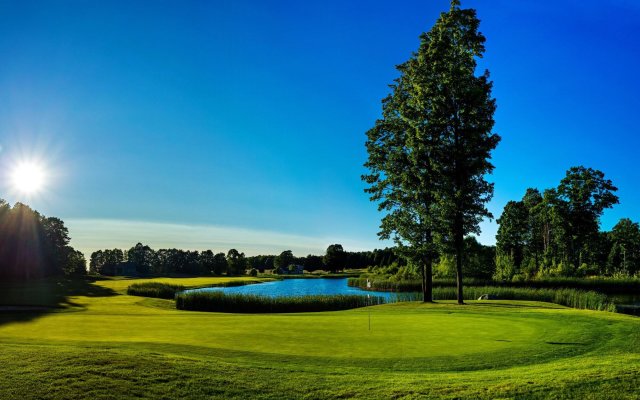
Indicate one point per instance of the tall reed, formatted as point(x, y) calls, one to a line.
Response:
point(580, 299)
point(603, 285)
point(243, 303)
point(154, 289)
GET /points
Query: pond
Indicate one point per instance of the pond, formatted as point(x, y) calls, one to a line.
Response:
point(626, 299)
point(306, 287)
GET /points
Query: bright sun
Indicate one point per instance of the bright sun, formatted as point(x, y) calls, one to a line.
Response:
point(28, 177)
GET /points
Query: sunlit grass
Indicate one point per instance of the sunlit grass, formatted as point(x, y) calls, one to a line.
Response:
point(111, 345)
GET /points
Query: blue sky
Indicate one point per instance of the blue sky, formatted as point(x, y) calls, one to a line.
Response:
point(242, 124)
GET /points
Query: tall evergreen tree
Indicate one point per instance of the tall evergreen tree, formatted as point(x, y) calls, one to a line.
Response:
point(429, 152)
point(463, 107)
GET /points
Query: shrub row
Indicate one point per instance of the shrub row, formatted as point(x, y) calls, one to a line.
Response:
point(154, 289)
point(241, 303)
point(602, 285)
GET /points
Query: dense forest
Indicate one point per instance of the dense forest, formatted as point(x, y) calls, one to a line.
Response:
point(34, 246)
point(557, 232)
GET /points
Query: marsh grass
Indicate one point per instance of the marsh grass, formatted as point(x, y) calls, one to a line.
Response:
point(154, 289)
point(163, 290)
point(242, 303)
point(588, 300)
point(246, 303)
point(608, 286)
point(581, 299)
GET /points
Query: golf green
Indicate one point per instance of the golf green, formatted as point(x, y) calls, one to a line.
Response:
point(110, 345)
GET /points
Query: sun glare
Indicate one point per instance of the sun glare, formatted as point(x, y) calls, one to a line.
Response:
point(28, 177)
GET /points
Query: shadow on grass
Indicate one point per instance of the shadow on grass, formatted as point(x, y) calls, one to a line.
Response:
point(25, 301)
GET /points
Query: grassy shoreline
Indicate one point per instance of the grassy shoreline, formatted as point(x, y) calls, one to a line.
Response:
point(606, 286)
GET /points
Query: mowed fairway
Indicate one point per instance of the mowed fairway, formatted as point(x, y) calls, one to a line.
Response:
point(105, 344)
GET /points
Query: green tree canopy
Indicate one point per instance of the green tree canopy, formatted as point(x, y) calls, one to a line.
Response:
point(237, 262)
point(283, 261)
point(334, 258)
point(429, 153)
point(586, 194)
point(624, 257)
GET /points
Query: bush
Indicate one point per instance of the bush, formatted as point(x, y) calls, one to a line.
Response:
point(154, 289)
point(240, 303)
point(253, 272)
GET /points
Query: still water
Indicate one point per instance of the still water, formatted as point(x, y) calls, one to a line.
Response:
point(305, 287)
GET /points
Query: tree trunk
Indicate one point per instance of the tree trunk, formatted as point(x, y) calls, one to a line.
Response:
point(459, 244)
point(427, 281)
point(459, 252)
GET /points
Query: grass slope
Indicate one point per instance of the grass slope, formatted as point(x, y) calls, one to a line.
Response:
point(105, 344)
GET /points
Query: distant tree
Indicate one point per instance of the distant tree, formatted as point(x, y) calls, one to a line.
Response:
point(142, 256)
point(260, 262)
point(533, 239)
point(56, 244)
point(113, 257)
point(312, 263)
point(101, 260)
point(207, 262)
point(586, 194)
point(479, 262)
point(334, 258)
point(237, 263)
point(220, 265)
point(175, 260)
point(512, 235)
point(283, 261)
point(76, 264)
point(96, 261)
point(624, 257)
point(192, 263)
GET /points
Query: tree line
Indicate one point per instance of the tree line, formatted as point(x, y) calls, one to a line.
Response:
point(557, 232)
point(35, 246)
point(143, 260)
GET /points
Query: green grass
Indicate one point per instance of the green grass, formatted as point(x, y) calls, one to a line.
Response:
point(102, 344)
